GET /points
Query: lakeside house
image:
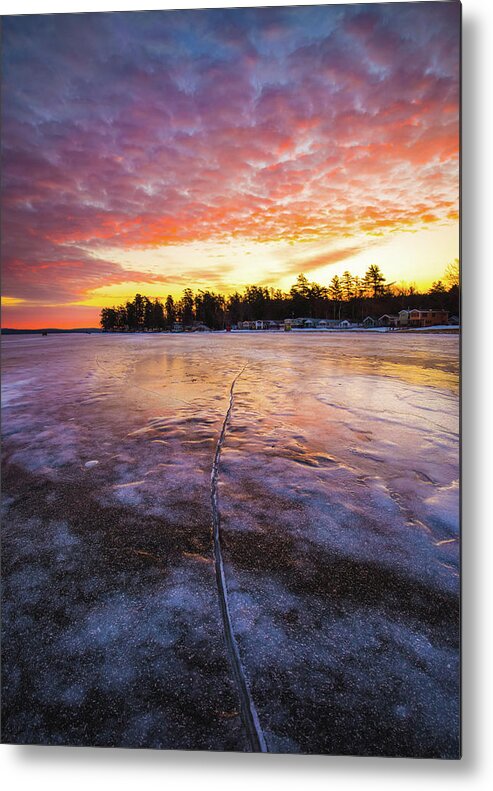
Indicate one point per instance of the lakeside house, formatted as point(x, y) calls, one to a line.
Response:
point(345, 324)
point(293, 323)
point(260, 324)
point(388, 320)
point(328, 323)
point(370, 321)
point(418, 317)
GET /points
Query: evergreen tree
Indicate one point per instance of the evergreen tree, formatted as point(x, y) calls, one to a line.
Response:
point(209, 309)
point(335, 291)
point(108, 318)
point(347, 285)
point(139, 310)
point(170, 311)
point(131, 316)
point(235, 308)
point(148, 314)
point(258, 302)
point(375, 280)
point(158, 321)
point(186, 307)
point(300, 297)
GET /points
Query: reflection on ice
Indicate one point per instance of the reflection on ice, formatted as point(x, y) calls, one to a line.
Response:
point(338, 494)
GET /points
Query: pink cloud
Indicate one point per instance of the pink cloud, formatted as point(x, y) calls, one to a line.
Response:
point(255, 123)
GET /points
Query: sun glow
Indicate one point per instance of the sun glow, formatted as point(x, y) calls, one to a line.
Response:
point(227, 267)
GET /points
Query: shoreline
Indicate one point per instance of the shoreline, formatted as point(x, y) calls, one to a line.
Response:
point(455, 330)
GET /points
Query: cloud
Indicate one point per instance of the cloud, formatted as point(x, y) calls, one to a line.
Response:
point(149, 129)
point(324, 259)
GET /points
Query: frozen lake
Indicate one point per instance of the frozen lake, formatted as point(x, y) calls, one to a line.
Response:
point(338, 495)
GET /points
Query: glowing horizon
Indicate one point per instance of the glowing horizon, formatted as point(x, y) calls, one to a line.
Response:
point(215, 149)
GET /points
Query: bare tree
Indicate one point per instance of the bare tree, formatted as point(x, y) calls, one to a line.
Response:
point(452, 273)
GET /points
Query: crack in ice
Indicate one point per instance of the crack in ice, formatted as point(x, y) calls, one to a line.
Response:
point(249, 714)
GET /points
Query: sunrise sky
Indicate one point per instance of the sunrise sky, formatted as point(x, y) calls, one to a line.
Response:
point(214, 149)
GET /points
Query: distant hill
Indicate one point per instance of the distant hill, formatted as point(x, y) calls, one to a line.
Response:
point(10, 331)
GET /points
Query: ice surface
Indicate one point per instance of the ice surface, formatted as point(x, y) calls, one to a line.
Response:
point(338, 494)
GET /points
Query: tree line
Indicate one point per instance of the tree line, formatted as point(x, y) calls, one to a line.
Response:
point(346, 297)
